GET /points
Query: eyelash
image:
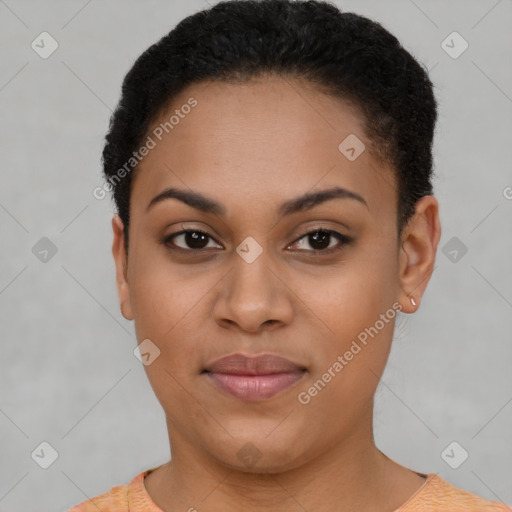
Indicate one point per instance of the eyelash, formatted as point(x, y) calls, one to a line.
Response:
point(345, 240)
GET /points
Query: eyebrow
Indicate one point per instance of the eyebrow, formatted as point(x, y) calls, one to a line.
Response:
point(302, 203)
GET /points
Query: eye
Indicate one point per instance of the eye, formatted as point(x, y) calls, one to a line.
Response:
point(320, 240)
point(194, 240)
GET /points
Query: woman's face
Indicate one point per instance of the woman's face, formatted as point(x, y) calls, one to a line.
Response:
point(257, 283)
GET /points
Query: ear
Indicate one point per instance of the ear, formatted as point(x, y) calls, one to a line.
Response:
point(119, 253)
point(418, 252)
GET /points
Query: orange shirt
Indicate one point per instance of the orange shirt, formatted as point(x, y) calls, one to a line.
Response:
point(436, 495)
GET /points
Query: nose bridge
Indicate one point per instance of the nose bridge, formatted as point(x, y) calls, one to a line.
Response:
point(252, 294)
point(251, 278)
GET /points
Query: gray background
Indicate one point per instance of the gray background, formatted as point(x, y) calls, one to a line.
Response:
point(68, 375)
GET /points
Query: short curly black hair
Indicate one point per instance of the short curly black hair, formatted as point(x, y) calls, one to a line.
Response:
point(342, 53)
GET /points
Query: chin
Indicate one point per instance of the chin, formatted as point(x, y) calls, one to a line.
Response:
point(260, 452)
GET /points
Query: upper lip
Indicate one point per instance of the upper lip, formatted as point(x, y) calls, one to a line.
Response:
point(262, 364)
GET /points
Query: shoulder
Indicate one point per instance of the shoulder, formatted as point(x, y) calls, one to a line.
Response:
point(109, 501)
point(438, 495)
point(131, 496)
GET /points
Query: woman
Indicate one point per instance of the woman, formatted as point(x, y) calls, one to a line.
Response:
point(271, 165)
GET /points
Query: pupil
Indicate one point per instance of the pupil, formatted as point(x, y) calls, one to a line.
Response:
point(193, 237)
point(322, 240)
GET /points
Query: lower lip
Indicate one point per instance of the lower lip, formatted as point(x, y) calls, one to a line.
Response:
point(254, 387)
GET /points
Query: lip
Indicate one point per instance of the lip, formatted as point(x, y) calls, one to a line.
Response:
point(254, 378)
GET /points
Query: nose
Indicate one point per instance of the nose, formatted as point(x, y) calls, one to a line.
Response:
point(254, 297)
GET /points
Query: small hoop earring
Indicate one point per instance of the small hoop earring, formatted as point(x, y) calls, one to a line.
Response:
point(413, 301)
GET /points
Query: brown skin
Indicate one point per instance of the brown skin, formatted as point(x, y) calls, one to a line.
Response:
point(251, 147)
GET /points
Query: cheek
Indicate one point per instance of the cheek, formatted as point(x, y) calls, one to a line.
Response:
point(353, 295)
point(160, 297)
point(166, 310)
point(349, 358)
point(356, 318)
point(174, 312)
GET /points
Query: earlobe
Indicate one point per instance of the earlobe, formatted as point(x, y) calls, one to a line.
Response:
point(418, 252)
point(119, 254)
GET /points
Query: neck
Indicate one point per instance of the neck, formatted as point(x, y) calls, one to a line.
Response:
point(351, 475)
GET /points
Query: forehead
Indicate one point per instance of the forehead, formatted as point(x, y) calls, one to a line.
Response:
point(267, 139)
